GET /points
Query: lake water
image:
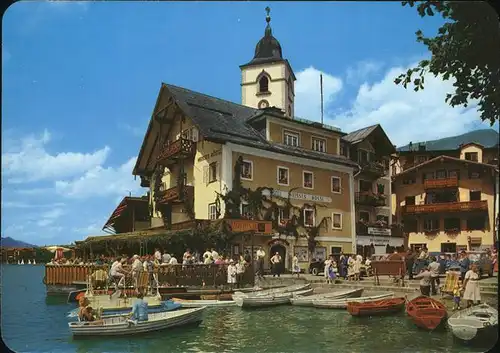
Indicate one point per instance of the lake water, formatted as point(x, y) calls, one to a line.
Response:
point(32, 322)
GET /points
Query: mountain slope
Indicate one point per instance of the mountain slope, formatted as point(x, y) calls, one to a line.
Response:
point(485, 137)
point(8, 242)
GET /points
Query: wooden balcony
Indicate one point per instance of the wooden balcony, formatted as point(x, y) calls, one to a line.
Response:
point(466, 206)
point(175, 194)
point(374, 169)
point(441, 183)
point(181, 148)
point(370, 199)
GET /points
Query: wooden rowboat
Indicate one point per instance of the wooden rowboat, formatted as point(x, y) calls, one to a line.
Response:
point(303, 293)
point(273, 291)
point(477, 324)
point(119, 326)
point(425, 312)
point(262, 301)
point(376, 307)
point(308, 301)
point(200, 303)
point(327, 303)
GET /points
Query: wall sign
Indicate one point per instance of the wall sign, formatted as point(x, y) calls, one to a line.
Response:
point(210, 155)
point(379, 231)
point(243, 225)
point(302, 196)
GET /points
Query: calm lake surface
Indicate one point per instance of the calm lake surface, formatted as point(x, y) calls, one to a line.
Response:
point(32, 322)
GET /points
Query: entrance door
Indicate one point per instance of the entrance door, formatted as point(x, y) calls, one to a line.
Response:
point(280, 249)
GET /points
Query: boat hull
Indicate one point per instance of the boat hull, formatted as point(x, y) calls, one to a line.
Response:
point(342, 303)
point(265, 301)
point(120, 326)
point(308, 301)
point(167, 305)
point(201, 303)
point(376, 307)
point(426, 313)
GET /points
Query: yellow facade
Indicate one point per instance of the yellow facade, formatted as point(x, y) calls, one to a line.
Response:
point(466, 236)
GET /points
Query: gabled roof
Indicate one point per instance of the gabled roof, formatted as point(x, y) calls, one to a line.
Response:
point(222, 121)
point(444, 157)
point(364, 133)
point(123, 207)
point(471, 144)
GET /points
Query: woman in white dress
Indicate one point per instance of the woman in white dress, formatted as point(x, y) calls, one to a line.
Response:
point(231, 274)
point(327, 266)
point(295, 265)
point(350, 268)
point(357, 266)
point(471, 285)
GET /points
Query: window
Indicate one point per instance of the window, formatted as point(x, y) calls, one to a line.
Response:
point(247, 170)
point(336, 250)
point(421, 159)
point(336, 186)
point(362, 156)
point(308, 180)
point(451, 224)
point(212, 170)
point(246, 213)
point(474, 175)
point(309, 218)
point(409, 180)
point(283, 176)
point(476, 223)
point(409, 200)
point(318, 144)
point(410, 226)
point(455, 173)
point(264, 84)
point(364, 216)
point(431, 225)
point(449, 247)
point(336, 220)
point(441, 174)
point(382, 219)
point(291, 138)
point(474, 195)
point(212, 211)
point(283, 216)
point(365, 186)
point(471, 156)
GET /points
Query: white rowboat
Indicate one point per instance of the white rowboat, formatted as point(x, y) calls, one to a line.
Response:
point(272, 291)
point(117, 326)
point(200, 303)
point(477, 323)
point(308, 301)
point(302, 293)
point(264, 301)
point(342, 303)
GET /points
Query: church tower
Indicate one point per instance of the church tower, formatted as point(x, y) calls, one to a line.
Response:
point(268, 79)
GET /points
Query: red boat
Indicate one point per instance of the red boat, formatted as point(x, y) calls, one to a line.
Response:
point(426, 312)
point(376, 307)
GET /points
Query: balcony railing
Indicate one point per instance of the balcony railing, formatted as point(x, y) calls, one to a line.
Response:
point(441, 183)
point(180, 148)
point(175, 194)
point(465, 206)
point(370, 199)
point(375, 169)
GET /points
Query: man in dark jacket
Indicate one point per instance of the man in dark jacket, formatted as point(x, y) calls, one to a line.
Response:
point(464, 263)
point(410, 260)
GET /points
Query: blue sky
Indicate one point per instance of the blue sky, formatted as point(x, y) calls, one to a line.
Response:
point(80, 81)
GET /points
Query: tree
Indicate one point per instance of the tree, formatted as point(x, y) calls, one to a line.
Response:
point(466, 48)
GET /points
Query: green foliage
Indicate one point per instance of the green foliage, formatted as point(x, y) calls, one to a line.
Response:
point(466, 48)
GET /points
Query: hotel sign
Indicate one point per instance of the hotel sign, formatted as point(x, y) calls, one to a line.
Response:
point(301, 196)
point(379, 231)
point(243, 225)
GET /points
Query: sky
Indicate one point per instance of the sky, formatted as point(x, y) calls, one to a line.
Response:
point(80, 81)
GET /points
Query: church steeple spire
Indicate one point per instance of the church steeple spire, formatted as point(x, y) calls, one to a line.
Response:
point(268, 32)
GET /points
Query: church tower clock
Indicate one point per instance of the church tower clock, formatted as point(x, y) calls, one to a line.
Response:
point(268, 79)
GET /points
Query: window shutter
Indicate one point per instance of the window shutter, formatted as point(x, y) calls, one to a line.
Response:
point(206, 174)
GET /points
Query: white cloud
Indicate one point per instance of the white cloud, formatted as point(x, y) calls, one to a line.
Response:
point(17, 204)
point(407, 115)
point(49, 217)
point(307, 92)
point(360, 71)
point(100, 181)
point(27, 160)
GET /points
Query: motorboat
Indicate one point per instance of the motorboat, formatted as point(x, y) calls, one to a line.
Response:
point(475, 324)
point(120, 325)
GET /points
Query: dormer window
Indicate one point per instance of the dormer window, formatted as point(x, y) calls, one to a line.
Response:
point(471, 156)
point(263, 84)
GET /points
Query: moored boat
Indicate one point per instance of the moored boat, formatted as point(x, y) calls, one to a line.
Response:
point(22, 262)
point(167, 305)
point(327, 303)
point(273, 291)
point(376, 307)
point(303, 293)
point(34, 262)
point(116, 326)
point(29, 262)
point(425, 312)
point(113, 304)
point(199, 303)
point(476, 324)
point(264, 300)
point(308, 301)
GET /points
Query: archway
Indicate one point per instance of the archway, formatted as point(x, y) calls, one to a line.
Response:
point(280, 249)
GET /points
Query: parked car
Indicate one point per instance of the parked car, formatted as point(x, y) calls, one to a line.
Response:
point(483, 262)
point(316, 267)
